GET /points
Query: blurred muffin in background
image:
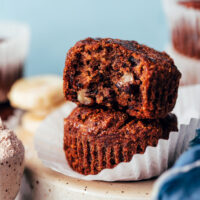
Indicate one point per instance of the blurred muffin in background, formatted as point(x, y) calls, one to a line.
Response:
point(184, 19)
point(184, 23)
point(14, 43)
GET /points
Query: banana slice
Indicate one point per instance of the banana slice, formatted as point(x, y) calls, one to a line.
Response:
point(30, 122)
point(37, 93)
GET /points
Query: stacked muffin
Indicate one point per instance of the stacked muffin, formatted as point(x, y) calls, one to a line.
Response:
point(184, 18)
point(124, 92)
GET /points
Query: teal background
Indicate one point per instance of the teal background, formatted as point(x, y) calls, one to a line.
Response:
point(57, 25)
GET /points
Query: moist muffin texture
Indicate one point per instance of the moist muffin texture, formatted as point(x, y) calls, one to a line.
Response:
point(96, 138)
point(123, 75)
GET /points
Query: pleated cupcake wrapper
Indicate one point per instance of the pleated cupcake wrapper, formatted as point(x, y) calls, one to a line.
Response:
point(13, 51)
point(155, 160)
point(184, 23)
point(187, 104)
point(91, 155)
point(176, 12)
point(189, 67)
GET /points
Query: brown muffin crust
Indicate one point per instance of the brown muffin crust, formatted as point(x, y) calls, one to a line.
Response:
point(95, 138)
point(195, 4)
point(123, 75)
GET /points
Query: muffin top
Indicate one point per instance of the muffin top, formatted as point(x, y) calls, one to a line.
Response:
point(194, 4)
point(149, 54)
point(99, 122)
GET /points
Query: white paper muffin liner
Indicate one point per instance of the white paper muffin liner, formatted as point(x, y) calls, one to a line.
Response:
point(184, 24)
point(187, 104)
point(173, 5)
point(155, 160)
point(184, 27)
point(176, 12)
point(189, 67)
point(13, 51)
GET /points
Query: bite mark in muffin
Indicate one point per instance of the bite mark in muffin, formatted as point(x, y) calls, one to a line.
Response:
point(123, 75)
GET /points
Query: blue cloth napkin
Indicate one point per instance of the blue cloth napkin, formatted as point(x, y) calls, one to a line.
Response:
point(182, 181)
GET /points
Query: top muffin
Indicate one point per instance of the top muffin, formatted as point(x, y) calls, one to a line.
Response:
point(123, 75)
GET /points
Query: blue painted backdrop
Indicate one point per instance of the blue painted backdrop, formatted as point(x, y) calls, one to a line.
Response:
point(57, 24)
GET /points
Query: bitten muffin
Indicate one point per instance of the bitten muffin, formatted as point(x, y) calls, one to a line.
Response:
point(95, 139)
point(123, 75)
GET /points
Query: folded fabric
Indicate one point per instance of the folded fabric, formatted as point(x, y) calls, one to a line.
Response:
point(182, 181)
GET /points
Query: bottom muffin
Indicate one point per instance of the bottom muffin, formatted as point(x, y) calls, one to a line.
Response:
point(95, 139)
